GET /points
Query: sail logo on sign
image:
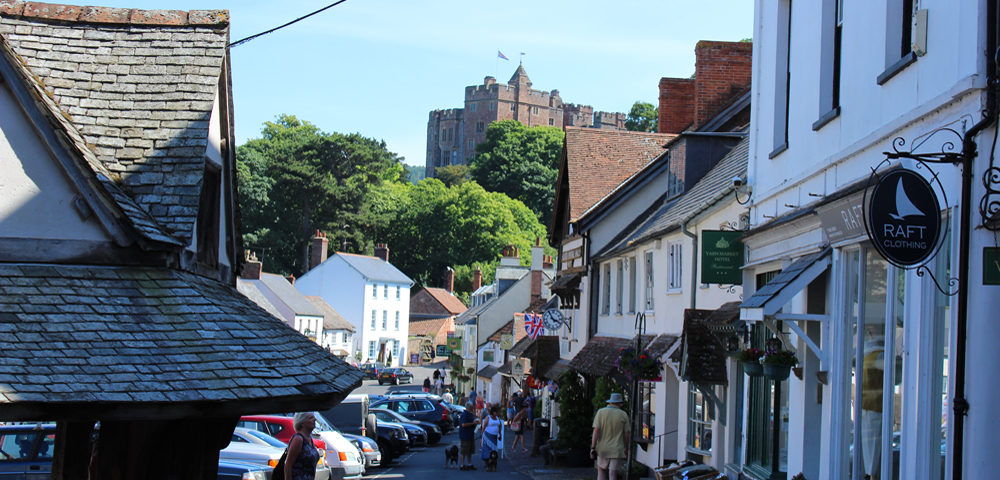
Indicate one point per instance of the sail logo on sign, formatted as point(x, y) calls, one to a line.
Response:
point(900, 218)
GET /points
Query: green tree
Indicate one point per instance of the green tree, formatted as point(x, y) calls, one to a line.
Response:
point(520, 161)
point(415, 173)
point(643, 117)
point(452, 175)
point(296, 179)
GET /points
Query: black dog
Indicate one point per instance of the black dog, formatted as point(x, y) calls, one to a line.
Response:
point(491, 462)
point(451, 456)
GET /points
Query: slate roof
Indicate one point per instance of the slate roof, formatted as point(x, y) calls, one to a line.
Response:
point(703, 356)
point(121, 342)
point(714, 186)
point(447, 300)
point(253, 291)
point(487, 372)
point(138, 86)
point(598, 161)
point(783, 279)
point(374, 268)
point(289, 295)
point(598, 356)
point(424, 327)
point(332, 319)
point(469, 316)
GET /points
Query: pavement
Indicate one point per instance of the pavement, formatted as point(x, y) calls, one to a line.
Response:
point(534, 467)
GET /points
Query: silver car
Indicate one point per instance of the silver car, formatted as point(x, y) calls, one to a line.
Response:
point(244, 439)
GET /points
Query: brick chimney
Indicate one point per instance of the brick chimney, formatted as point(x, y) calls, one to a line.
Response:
point(382, 251)
point(722, 71)
point(676, 104)
point(317, 250)
point(449, 279)
point(537, 261)
point(291, 279)
point(477, 279)
point(510, 257)
point(547, 262)
point(251, 267)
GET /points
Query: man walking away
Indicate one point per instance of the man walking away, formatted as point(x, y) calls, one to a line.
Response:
point(467, 435)
point(610, 439)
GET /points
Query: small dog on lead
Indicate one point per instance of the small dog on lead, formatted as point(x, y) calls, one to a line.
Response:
point(491, 462)
point(451, 456)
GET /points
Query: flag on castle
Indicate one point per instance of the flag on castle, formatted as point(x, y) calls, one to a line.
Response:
point(501, 55)
point(533, 325)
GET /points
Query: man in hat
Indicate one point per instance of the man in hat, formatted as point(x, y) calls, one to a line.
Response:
point(610, 438)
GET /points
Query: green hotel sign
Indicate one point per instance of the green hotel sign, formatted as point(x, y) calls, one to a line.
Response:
point(721, 257)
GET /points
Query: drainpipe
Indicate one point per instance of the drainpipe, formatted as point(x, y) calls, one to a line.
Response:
point(694, 263)
point(960, 404)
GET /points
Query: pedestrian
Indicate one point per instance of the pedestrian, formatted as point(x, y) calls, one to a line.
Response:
point(492, 434)
point(473, 395)
point(517, 426)
point(437, 374)
point(427, 385)
point(610, 438)
point(467, 436)
point(448, 397)
point(438, 386)
point(301, 456)
point(529, 406)
point(512, 406)
point(480, 404)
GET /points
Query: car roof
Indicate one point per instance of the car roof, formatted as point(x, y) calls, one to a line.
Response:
point(273, 418)
point(28, 426)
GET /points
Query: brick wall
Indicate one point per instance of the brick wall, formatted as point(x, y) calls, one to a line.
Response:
point(722, 71)
point(676, 104)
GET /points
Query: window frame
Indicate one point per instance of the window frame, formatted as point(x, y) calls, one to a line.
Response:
point(675, 267)
point(782, 79)
point(385, 319)
point(374, 319)
point(606, 289)
point(708, 418)
point(648, 281)
point(899, 34)
point(619, 285)
point(633, 266)
point(397, 320)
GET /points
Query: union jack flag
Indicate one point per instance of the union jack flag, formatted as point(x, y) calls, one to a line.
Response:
point(533, 325)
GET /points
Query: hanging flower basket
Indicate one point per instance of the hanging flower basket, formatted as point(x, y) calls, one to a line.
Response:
point(638, 365)
point(750, 359)
point(778, 364)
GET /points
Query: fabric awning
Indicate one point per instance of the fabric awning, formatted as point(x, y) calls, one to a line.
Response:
point(703, 357)
point(487, 372)
point(779, 291)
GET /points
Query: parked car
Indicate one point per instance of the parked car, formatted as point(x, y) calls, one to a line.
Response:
point(252, 453)
point(369, 449)
point(351, 416)
point(392, 441)
point(233, 470)
point(256, 437)
point(417, 436)
point(26, 451)
point(372, 369)
point(455, 410)
point(419, 407)
point(343, 458)
point(433, 431)
point(394, 376)
point(277, 426)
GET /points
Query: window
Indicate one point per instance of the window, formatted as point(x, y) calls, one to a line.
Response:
point(397, 320)
point(373, 319)
point(534, 110)
point(830, 54)
point(552, 121)
point(480, 127)
point(701, 414)
point(619, 283)
point(493, 106)
point(649, 280)
point(385, 291)
point(606, 290)
point(782, 78)
point(385, 318)
point(631, 266)
point(488, 356)
point(905, 35)
point(375, 291)
point(371, 349)
point(472, 107)
point(647, 411)
point(208, 216)
point(472, 145)
point(513, 107)
point(675, 261)
point(675, 177)
point(395, 349)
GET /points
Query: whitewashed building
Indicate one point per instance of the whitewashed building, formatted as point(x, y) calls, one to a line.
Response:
point(834, 84)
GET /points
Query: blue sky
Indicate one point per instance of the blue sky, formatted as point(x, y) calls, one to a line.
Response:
point(378, 67)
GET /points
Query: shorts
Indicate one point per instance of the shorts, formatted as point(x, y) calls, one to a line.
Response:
point(468, 447)
point(610, 464)
point(518, 433)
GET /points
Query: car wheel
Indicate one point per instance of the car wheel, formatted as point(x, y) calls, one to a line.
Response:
point(386, 452)
point(380, 382)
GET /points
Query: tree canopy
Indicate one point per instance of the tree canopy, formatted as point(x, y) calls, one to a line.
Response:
point(520, 161)
point(452, 175)
point(644, 117)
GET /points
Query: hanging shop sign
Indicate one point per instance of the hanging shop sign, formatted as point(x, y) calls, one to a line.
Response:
point(506, 342)
point(991, 266)
point(721, 257)
point(442, 351)
point(903, 217)
point(454, 343)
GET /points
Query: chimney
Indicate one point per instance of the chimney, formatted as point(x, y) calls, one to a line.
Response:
point(547, 262)
point(317, 251)
point(449, 279)
point(291, 279)
point(251, 267)
point(477, 279)
point(382, 251)
point(676, 104)
point(511, 257)
point(722, 71)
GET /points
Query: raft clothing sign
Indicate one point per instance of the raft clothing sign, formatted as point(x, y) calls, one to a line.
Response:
point(904, 218)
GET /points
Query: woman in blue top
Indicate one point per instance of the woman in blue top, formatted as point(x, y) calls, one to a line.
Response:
point(302, 456)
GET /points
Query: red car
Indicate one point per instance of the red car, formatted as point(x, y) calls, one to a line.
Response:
point(276, 426)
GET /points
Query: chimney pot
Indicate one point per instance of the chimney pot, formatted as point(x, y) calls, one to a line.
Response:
point(291, 279)
point(251, 267)
point(318, 250)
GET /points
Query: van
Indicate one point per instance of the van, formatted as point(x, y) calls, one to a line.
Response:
point(351, 416)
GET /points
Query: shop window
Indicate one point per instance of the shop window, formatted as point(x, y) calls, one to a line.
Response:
point(649, 279)
point(701, 415)
point(606, 290)
point(619, 285)
point(675, 262)
point(631, 284)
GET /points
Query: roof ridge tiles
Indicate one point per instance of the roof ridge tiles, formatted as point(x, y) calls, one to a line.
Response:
point(111, 15)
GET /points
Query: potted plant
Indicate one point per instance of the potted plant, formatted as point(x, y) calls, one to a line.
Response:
point(638, 364)
point(777, 364)
point(750, 358)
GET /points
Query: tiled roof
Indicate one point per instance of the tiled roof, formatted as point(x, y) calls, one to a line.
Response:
point(117, 342)
point(447, 300)
point(714, 186)
point(138, 86)
point(703, 357)
point(427, 327)
point(597, 161)
point(374, 268)
point(332, 319)
point(506, 329)
point(598, 356)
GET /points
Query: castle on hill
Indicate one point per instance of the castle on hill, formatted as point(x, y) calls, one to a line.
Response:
point(453, 133)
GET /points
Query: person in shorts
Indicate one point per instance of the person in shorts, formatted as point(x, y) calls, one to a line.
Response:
point(467, 436)
point(609, 442)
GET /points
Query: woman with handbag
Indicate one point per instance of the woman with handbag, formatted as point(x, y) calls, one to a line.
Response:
point(301, 455)
point(517, 426)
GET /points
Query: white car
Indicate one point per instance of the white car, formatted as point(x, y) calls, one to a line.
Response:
point(251, 453)
point(243, 438)
point(343, 458)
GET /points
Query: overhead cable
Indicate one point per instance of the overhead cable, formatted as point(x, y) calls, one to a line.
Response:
point(251, 37)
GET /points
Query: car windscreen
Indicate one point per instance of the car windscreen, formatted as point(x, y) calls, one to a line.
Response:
point(274, 442)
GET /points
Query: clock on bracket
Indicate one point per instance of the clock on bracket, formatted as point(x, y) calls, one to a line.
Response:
point(552, 319)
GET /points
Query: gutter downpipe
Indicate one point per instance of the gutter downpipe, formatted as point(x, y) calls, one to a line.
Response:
point(694, 263)
point(960, 404)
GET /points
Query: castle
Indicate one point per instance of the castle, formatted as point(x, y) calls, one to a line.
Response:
point(453, 133)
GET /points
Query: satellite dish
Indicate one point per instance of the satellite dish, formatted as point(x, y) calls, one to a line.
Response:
point(552, 319)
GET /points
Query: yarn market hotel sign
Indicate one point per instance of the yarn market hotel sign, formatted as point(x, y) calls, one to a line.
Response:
point(903, 218)
point(721, 257)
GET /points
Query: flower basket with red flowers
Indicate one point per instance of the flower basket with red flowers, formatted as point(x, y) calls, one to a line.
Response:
point(638, 365)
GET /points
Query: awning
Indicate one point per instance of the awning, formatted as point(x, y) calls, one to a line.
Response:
point(507, 368)
point(518, 349)
point(779, 291)
point(598, 356)
point(543, 353)
point(556, 370)
point(487, 372)
point(703, 357)
point(567, 288)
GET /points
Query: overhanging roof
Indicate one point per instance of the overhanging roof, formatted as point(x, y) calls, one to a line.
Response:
point(487, 372)
point(702, 359)
point(780, 290)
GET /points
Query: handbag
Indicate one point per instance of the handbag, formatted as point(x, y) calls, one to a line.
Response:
point(515, 426)
point(279, 469)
